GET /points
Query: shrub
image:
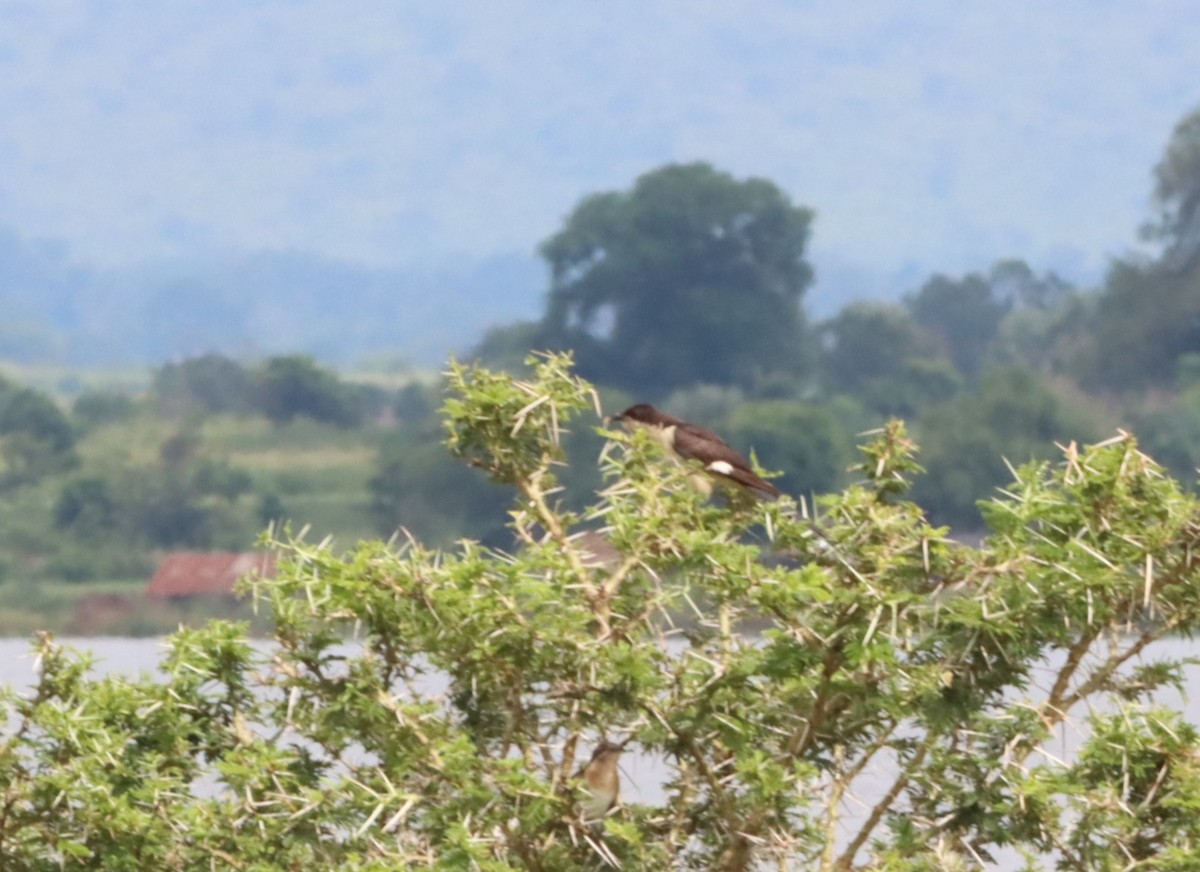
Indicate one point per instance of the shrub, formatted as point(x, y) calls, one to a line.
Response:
point(868, 657)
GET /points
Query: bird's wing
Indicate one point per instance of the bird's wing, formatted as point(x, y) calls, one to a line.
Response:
point(699, 443)
point(697, 436)
point(743, 477)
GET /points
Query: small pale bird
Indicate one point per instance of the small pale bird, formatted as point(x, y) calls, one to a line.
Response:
point(693, 442)
point(602, 781)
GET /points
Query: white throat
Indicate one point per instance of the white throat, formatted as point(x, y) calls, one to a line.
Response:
point(665, 435)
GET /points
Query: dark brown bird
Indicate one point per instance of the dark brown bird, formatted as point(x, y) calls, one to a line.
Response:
point(693, 442)
point(602, 781)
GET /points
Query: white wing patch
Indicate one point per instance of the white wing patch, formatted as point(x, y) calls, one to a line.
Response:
point(720, 467)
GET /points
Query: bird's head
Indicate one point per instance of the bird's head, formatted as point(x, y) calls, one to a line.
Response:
point(607, 750)
point(642, 413)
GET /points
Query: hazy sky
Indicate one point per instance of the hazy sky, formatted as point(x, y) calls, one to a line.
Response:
point(927, 135)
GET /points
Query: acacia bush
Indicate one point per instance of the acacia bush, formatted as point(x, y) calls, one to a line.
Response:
point(846, 689)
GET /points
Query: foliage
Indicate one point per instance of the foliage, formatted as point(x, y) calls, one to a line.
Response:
point(970, 441)
point(188, 499)
point(291, 386)
point(963, 314)
point(1047, 340)
point(890, 665)
point(86, 504)
point(692, 276)
point(1177, 194)
point(673, 287)
point(1172, 432)
point(417, 488)
point(803, 438)
point(35, 436)
point(1143, 322)
point(209, 383)
point(507, 346)
point(69, 537)
point(879, 354)
point(1146, 315)
point(868, 341)
point(282, 388)
point(97, 408)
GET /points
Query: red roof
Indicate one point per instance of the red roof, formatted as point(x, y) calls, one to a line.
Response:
point(185, 573)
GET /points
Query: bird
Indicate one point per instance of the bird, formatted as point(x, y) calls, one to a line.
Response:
point(601, 780)
point(693, 442)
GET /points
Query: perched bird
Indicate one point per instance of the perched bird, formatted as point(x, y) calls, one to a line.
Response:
point(602, 781)
point(693, 442)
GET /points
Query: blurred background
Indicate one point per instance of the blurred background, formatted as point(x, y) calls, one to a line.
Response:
point(238, 242)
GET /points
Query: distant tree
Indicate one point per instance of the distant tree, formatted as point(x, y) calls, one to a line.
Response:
point(295, 386)
point(417, 487)
point(868, 341)
point(189, 500)
point(168, 514)
point(1144, 320)
point(179, 449)
point(1171, 423)
point(1015, 284)
point(36, 438)
point(210, 383)
point(804, 441)
point(969, 442)
point(1148, 313)
point(1046, 339)
point(86, 506)
point(1177, 195)
point(690, 277)
point(271, 509)
point(371, 402)
point(1173, 434)
point(877, 353)
point(963, 315)
point(507, 346)
point(220, 478)
point(415, 403)
point(917, 384)
point(29, 411)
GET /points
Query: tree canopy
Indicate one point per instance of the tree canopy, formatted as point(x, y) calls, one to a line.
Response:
point(35, 436)
point(1147, 315)
point(692, 276)
point(962, 314)
point(1177, 194)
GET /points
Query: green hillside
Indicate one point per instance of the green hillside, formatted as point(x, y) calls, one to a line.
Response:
point(143, 481)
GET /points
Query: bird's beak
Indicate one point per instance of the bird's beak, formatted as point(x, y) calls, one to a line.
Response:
point(609, 420)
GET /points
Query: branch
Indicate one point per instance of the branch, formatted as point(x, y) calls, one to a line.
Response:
point(613, 583)
point(1054, 711)
point(531, 489)
point(1075, 655)
point(1103, 673)
point(840, 785)
point(846, 860)
point(803, 738)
